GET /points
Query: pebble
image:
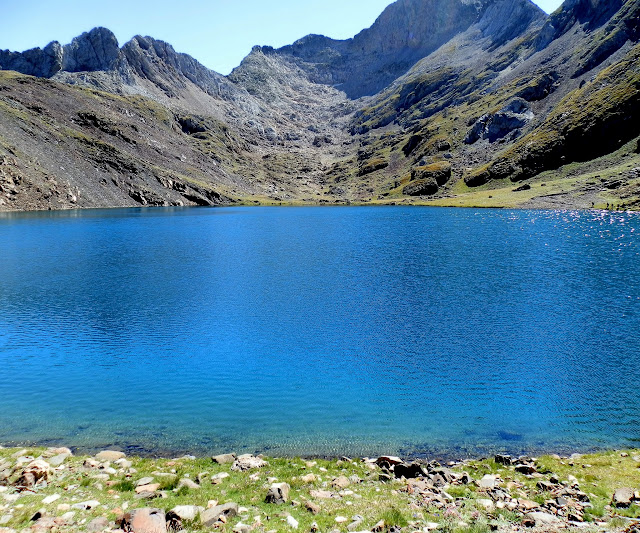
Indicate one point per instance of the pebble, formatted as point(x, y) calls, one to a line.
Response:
point(292, 522)
point(51, 499)
point(86, 506)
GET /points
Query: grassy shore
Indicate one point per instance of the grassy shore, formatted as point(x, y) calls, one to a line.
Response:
point(65, 492)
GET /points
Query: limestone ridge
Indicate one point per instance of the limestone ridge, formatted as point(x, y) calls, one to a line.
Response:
point(98, 51)
point(405, 32)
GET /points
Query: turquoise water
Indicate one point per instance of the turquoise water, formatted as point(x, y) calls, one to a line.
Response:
point(321, 331)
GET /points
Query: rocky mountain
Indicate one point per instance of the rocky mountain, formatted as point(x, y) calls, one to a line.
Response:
point(447, 102)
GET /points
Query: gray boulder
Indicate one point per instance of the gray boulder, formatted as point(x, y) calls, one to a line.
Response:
point(211, 516)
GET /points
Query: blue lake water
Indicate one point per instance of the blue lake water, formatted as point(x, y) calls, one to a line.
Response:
point(321, 331)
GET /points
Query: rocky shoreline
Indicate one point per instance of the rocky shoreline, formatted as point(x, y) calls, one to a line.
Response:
point(53, 490)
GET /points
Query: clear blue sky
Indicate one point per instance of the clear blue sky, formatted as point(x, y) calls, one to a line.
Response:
point(218, 33)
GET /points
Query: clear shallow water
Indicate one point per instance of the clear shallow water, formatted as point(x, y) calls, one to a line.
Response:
point(321, 330)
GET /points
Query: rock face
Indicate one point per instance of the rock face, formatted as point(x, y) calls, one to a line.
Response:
point(405, 32)
point(515, 115)
point(94, 50)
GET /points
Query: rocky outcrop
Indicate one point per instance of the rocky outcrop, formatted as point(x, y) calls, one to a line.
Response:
point(42, 63)
point(95, 50)
point(405, 32)
point(513, 116)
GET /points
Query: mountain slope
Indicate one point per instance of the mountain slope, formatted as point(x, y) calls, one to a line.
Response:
point(446, 102)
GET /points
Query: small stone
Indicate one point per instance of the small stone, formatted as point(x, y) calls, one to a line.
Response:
point(542, 519)
point(185, 512)
point(248, 462)
point(241, 528)
point(526, 469)
point(144, 481)
point(309, 478)
point(389, 459)
point(184, 482)
point(341, 482)
point(313, 508)
point(147, 488)
point(278, 493)
point(341, 519)
point(321, 494)
point(224, 459)
point(124, 463)
point(356, 523)
point(292, 522)
point(487, 504)
point(622, 497)
point(487, 482)
point(147, 520)
point(35, 472)
point(110, 455)
point(528, 505)
point(86, 506)
point(219, 478)
point(57, 460)
point(226, 511)
point(51, 499)
point(97, 524)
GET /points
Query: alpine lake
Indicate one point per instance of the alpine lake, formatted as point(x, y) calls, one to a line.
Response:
point(321, 331)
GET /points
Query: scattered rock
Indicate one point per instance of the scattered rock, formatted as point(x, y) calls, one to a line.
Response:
point(110, 455)
point(35, 472)
point(187, 512)
point(313, 508)
point(526, 469)
point(86, 506)
point(211, 516)
point(309, 478)
point(487, 482)
point(622, 497)
point(145, 520)
point(57, 460)
point(144, 481)
point(292, 522)
point(51, 499)
point(542, 519)
point(278, 493)
point(147, 488)
point(341, 482)
point(188, 483)
point(97, 524)
point(248, 462)
point(218, 478)
point(227, 458)
point(487, 504)
point(408, 471)
point(321, 494)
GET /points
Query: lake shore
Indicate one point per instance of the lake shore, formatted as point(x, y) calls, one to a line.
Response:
point(52, 489)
